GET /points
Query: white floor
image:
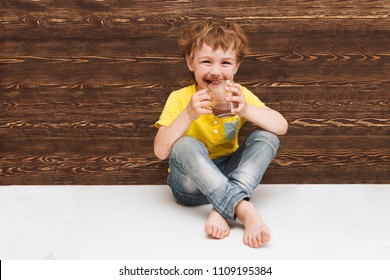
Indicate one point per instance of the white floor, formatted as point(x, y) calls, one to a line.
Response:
point(143, 222)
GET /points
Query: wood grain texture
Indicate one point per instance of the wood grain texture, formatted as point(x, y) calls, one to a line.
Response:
point(82, 83)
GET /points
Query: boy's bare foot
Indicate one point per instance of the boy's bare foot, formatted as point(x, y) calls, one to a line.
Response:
point(216, 225)
point(256, 231)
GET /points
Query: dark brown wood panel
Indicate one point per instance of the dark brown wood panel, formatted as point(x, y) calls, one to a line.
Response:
point(82, 83)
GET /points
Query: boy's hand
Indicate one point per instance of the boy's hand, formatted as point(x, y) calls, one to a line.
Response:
point(237, 97)
point(199, 104)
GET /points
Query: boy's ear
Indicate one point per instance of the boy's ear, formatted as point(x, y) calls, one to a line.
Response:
point(189, 64)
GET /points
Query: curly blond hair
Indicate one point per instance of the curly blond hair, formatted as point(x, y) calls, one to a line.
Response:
point(216, 34)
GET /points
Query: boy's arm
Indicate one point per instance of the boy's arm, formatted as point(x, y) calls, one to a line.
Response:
point(167, 135)
point(266, 118)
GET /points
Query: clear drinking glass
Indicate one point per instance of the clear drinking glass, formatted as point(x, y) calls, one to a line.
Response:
point(218, 93)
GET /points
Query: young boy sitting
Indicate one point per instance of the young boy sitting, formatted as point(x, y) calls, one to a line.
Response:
point(207, 165)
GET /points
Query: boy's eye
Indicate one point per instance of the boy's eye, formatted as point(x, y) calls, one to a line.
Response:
point(206, 61)
point(226, 63)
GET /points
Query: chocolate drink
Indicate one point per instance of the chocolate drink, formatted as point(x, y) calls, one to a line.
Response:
point(223, 110)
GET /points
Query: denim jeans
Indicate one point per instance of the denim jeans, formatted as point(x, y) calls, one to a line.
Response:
point(195, 179)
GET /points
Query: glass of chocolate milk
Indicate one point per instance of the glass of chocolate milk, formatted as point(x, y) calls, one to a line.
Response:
point(221, 108)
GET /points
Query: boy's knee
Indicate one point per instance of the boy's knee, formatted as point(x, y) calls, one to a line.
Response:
point(265, 136)
point(185, 145)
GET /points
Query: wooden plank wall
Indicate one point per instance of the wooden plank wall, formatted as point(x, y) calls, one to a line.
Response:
point(82, 83)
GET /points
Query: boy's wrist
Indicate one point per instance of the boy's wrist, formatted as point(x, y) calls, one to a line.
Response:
point(187, 116)
point(244, 111)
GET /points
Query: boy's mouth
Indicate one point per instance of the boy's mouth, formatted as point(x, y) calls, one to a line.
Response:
point(208, 82)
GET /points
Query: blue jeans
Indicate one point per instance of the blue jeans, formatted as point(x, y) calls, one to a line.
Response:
point(195, 179)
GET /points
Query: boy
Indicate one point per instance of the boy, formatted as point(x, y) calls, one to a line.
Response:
point(206, 163)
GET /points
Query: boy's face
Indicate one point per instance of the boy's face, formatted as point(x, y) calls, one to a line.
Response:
point(210, 66)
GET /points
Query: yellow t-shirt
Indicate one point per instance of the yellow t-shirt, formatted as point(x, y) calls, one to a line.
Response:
point(220, 136)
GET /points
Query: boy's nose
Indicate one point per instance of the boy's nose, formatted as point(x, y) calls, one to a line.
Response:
point(215, 70)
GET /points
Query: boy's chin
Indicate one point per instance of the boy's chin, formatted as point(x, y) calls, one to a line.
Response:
point(200, 87)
